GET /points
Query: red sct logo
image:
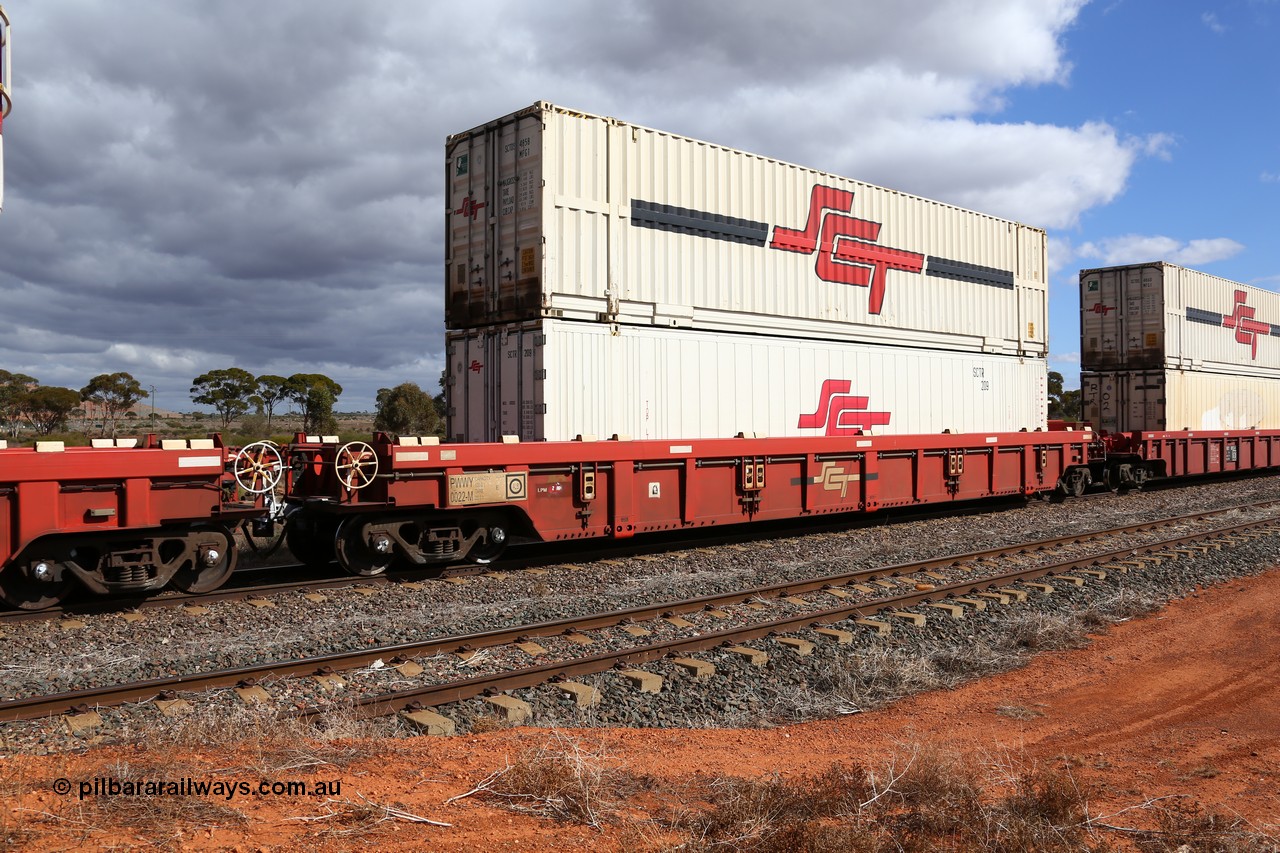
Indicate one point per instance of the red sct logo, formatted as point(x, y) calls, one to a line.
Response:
point(841, 413)
point(846, 246)
point(1247, 328)
point(470, 207)
point(1099, 308)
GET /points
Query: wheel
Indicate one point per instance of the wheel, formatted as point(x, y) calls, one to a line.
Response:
point(356, 465)
point(490, 547)
point(311, 542)
point(35, 584)
point(257, 467)
point(207, 561)
point(354, 554)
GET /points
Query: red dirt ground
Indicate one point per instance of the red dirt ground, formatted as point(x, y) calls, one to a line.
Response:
point(1186, 701)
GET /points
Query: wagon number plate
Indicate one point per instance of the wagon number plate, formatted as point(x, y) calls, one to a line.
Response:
point(488, 488)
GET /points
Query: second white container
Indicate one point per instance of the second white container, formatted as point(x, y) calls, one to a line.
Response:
point(555, 379)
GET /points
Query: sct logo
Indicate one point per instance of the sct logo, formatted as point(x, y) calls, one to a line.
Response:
point(834, 477)
point(846, 246)
point(1099, 308)
point(470, 207)
point(841, 413)
point(475, 366)
point(1247, 328)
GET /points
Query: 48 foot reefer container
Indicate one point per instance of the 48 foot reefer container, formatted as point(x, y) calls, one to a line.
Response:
point(554, 213)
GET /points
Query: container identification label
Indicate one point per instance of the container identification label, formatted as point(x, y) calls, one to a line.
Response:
point(488, 487)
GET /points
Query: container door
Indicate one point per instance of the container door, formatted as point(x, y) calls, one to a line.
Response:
point(493, 260)
point(1100, 332)
point(1100, 397)
point(1143, 317)
point(1033, 301)
point(1145, 394)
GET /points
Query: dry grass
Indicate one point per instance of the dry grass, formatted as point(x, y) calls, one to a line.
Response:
point(268, 742)
point(141, 813)
point(262, 744)
point(158, 819)
point(560, 779)
point(1018, 712)
point(928, 801)
point(1042, 632)
point(917, 802)
point(360, 816)
point(1184, 827)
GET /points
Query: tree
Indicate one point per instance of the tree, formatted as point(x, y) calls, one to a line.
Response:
point(116, 393)
point(227, 390)
point(406, 409)
point(315, 394)
point(1063, 405)
point(13, 387)
point(272, 390)
point(440, 401)
point(48, 408)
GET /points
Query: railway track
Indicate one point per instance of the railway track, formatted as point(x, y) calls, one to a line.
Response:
point(304, 579)
point(565, 649)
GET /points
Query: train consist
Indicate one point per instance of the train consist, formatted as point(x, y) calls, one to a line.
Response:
point(621, 302)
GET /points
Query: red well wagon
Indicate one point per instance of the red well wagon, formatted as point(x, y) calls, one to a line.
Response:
point(416, 501)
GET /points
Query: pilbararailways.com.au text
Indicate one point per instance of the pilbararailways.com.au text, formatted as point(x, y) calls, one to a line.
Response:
point(102, 786)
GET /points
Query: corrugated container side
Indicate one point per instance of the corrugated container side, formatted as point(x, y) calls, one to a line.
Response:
point(1161, 316)
point(556, 379)
point(1125, 401)
point(554, 213)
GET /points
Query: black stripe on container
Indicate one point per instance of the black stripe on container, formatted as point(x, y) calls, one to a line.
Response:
point(1199, 315)
point(960, 271)
point(666, 217)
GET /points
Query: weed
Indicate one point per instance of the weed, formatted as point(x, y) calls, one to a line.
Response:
point(152, 804)
point(1047, 631)
point(559, 779)
point(489, 723)
point(1018, 712)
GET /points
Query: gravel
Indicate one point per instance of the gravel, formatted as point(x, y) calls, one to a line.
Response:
point(104, 649)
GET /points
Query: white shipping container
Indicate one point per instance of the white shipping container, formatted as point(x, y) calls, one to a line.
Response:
point(558, 214)
point(1162, 316)
point(1126, 401)
point(556, 379)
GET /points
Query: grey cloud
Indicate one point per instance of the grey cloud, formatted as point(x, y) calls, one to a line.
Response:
point(192, 186)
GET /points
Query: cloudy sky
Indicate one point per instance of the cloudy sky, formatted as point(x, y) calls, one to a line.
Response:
point(192, 186)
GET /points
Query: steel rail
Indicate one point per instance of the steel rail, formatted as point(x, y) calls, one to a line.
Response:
point(458, 690)
point(41, 706)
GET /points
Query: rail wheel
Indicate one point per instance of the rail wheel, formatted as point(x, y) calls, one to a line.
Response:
point(35, 584)
point(356, 555)
point(208, 559)
point(488, 550)
point(311, 542)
